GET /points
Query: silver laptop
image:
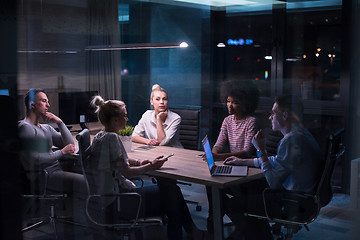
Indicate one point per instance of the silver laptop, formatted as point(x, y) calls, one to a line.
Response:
point(221, 170)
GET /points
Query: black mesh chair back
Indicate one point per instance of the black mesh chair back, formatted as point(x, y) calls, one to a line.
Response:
point(334, 150)
point(292, 209)
point(189, 127)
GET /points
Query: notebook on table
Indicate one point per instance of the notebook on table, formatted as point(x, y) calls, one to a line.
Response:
point(221, 170)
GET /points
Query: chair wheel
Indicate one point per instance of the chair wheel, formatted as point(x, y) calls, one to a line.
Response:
point(198, 208)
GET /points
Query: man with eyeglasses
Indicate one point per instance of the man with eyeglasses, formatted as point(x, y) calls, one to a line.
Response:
point(297, 166)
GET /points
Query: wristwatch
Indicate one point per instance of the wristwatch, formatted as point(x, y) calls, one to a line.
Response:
point(260, 153)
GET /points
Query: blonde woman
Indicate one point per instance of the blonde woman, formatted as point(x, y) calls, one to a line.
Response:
point(110, 168)
point(159, 126)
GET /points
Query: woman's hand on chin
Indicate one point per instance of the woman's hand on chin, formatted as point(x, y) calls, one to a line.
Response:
point(162, 116)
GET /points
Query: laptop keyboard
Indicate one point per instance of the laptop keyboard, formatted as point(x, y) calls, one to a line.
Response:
point(223, 169)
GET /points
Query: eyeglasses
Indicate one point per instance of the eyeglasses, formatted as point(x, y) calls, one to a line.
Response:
point(272, 113)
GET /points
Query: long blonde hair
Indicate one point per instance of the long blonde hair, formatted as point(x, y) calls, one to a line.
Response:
point(157, 88)
point(107, 109)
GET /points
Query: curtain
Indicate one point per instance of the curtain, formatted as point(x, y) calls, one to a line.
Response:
point(103, 67)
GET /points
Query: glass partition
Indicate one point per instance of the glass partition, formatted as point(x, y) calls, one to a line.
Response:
point(120, 48)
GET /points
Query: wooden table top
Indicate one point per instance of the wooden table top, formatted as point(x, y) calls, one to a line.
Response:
point(187, 165)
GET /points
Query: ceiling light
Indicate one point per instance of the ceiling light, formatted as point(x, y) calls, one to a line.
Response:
point(137, 46)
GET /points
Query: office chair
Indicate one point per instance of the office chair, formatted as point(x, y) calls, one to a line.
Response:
point(95, 216)
point(43, 197)
point(189, 136)
point(189, 127)
point(293, 209)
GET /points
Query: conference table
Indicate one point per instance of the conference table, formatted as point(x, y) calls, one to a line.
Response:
point(188, 165)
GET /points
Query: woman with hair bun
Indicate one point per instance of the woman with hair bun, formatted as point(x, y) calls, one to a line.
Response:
point(109, 169)
point(159, 126)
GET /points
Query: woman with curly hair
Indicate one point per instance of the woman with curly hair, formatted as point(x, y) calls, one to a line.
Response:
point(238, 129)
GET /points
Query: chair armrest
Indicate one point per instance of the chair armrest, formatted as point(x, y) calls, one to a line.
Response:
point(290, 206)
point(134, 198)
point(45, 197)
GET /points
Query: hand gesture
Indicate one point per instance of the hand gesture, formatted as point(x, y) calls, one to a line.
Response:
point(162, 116)
point(260, 140)
point(153, 142)
point(158, 162)
point(50, 117)
point(68, 149)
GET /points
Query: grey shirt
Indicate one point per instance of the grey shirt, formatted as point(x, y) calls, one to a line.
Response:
point(41, 154)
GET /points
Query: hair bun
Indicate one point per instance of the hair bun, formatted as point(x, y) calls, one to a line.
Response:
point(99, 101)
point(156, 87)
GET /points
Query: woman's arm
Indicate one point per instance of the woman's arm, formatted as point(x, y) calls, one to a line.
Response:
point(239, 161)
point(139, 131)
point(171, 130)
point(138, 162)
point(218, 155)
point(129, 171)
point(143, 140)
point(160, 119)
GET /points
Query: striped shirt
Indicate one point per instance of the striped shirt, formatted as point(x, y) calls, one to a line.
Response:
point(238, 134)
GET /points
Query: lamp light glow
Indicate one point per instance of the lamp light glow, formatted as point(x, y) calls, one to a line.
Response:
point(136, 46)
point(184, 45)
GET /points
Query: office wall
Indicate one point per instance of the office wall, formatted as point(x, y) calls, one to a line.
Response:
point(61, 31)
point(178, 70)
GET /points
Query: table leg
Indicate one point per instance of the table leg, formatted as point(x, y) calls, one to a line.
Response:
point(217, 214)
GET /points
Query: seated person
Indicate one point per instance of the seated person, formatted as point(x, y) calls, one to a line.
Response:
point(297, 166)
point(37, 105)
point(159, 126)
point(238, 129)
point(110, 169)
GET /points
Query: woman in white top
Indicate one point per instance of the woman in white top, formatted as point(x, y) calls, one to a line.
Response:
point(109, 168)
point(159, 126)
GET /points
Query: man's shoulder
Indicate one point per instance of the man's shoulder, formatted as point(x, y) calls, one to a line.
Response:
point(302, 135)
point(24, 125)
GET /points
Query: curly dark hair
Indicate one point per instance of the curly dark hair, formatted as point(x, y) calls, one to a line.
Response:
point(244, 91)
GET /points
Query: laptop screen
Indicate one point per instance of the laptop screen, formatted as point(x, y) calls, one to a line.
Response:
point(208, 153)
